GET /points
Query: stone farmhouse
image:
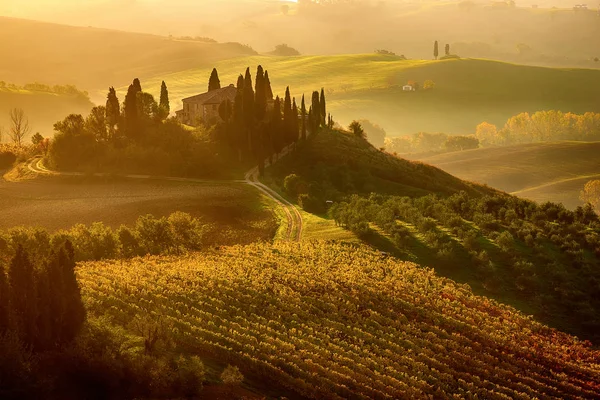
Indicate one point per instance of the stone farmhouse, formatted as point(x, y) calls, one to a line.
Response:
point(205, 106)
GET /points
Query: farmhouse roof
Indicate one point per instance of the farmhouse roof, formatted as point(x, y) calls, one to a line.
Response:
point(214, 96)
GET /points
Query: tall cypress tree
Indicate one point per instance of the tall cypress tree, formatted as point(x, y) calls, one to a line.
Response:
point(164, 99)
point(316, 112)
point(22, 296)
point(240, 84)
point(447, 50)
point(287, 117)
point(214, 83)
point(311, 120)
point(130, 109)
point(323, 106)
point(294, 123)
point(303, 115)
point(277, 133)
point(268, 89)
point(113, 111)
point(45, 337)
point(436, 50)
point(248, 109)
point(260, 95)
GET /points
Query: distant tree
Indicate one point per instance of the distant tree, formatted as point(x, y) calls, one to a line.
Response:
point(436, 50)
point(113, 111)
point(356, 129)
point(284, 50)
point(323, 106)
point(19, 126)
point(163, 105)
point(303, 116)
point(458, 143)
point(447, 50)
point(591, 194)
point(487, 134)
point(429, 84)
point(96, 124)
point(214, 83)
point(37, 139)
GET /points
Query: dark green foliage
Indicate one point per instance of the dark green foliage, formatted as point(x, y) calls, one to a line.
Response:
point(436, 50)
point(249, 113)
point(357, 130)
point(72, 144)
point(316, 112)
point(295, 127)
point(214, 83)
point(284, 50)
point(37, 138)
point(288, 123)
point(23, 297)
point(260, 93)
point(96, 125)
point(276, 128)
point(130, 111)
point(268, 89)
point(7, 159)
point(447, 50)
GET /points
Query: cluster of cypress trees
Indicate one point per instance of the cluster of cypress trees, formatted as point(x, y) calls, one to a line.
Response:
point(41, 304)
point(139, 110)
point(259, 127)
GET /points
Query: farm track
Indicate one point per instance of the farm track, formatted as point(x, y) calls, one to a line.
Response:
point(293, 216)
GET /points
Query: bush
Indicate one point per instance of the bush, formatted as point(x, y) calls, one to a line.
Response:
point(291, 185)
point(506, 241)
point(232, 376)
point(155, 235)
point(311, 204)
point(186, 231)
point(7, 159)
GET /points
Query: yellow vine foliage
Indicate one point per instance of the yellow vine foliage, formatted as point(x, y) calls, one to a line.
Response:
point(332, 320)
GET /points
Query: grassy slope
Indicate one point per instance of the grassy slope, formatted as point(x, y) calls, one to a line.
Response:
point(468, 91)
point(43, 109)
point(234, 212)
point(345, 164)
point(95, 59)
point(540, 171)
point(339, 321)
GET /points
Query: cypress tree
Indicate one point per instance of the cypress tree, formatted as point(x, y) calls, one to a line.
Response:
point(57, 302)
point(130, 109)
point(74, 310)
point(113, 111)
point(287, 117)
point(4, 302)
point(137, 85)
point(268, 89)
point(277, 138)
point(22, 296)
point(45, 338)
point(447, 49)
point(303, 114)
point(214, 83)
point(164, 99)
point(240, 84)
point(260, 94)
point(316, 108)
point(323, 105)
point(294, 124)
point(311, 120)
point(248, 107)
point(237, 121)
point(436, 50)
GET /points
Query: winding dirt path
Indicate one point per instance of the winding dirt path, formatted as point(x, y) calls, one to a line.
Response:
point(293, 216)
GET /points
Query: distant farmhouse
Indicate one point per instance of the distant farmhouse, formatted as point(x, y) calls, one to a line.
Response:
point(205, 106)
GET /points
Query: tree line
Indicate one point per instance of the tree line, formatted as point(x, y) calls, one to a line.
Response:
point(258, 126)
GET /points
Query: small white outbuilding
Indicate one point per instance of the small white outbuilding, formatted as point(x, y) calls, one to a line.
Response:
point(408, 88)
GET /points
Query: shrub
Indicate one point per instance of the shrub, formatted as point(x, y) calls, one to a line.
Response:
point(311, 204)
point(186, 231)
point(232, 376)
point(155, 235)
point(128, 242)
point(290, 185)
point(7, 159)
point(506, 241)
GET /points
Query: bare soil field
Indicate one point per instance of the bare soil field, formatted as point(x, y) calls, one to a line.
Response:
point(236, 213)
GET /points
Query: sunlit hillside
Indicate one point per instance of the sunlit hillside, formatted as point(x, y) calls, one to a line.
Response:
point(334, 321)
point(466, 93)
point(93, 58)
point(542, 171)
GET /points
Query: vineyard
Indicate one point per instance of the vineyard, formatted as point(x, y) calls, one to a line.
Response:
point(335, 321)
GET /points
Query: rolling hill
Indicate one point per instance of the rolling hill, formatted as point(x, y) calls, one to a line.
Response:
point(94, 59)
point(467, 92)
point(328, 320)
point(42, 108)
point(542, 172)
